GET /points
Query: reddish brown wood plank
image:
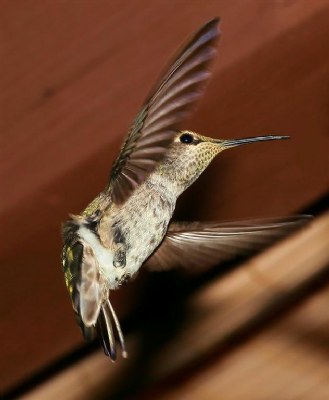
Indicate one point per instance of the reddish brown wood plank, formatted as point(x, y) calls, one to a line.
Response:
point(73, 76)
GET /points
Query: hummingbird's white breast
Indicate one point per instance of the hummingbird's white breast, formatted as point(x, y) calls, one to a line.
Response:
point(104, 257)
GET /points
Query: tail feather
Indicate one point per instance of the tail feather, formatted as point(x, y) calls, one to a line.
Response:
point(105, 333)
point(106, 321)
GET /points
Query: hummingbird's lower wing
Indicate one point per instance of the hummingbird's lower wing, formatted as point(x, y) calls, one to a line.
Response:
point(205, 244)
point(91, 288)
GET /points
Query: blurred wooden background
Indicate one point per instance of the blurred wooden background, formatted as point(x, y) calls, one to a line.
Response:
point(73, 75)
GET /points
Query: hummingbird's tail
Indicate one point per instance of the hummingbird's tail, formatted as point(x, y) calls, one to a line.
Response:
point(106, 320)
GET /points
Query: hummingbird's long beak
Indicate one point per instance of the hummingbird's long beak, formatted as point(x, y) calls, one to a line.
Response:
point(237, 142)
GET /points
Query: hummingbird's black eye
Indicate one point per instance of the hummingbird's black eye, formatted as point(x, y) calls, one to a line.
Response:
point(186, 138)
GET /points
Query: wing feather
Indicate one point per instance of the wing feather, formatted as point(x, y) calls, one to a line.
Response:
point(159, 119)
point(203, 245)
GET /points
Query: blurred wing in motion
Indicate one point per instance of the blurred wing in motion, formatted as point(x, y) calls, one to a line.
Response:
point(201, 245)
point(159, 119)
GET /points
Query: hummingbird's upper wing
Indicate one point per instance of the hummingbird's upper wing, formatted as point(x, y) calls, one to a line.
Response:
point(168, 105)
point(203, 245)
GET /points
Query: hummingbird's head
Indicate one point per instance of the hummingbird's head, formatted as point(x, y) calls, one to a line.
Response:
point(191, 153)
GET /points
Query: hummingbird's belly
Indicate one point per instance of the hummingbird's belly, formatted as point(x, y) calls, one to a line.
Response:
point(133, 231)
point(147, 234)
point(142, 245)
point(141, 226)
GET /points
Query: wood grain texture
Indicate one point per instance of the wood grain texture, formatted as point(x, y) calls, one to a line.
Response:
point(73, 76)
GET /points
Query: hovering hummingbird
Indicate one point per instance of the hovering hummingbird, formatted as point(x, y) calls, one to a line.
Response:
point(128, 224)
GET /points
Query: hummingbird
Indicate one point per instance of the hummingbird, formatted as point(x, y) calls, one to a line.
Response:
point(128, 224)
